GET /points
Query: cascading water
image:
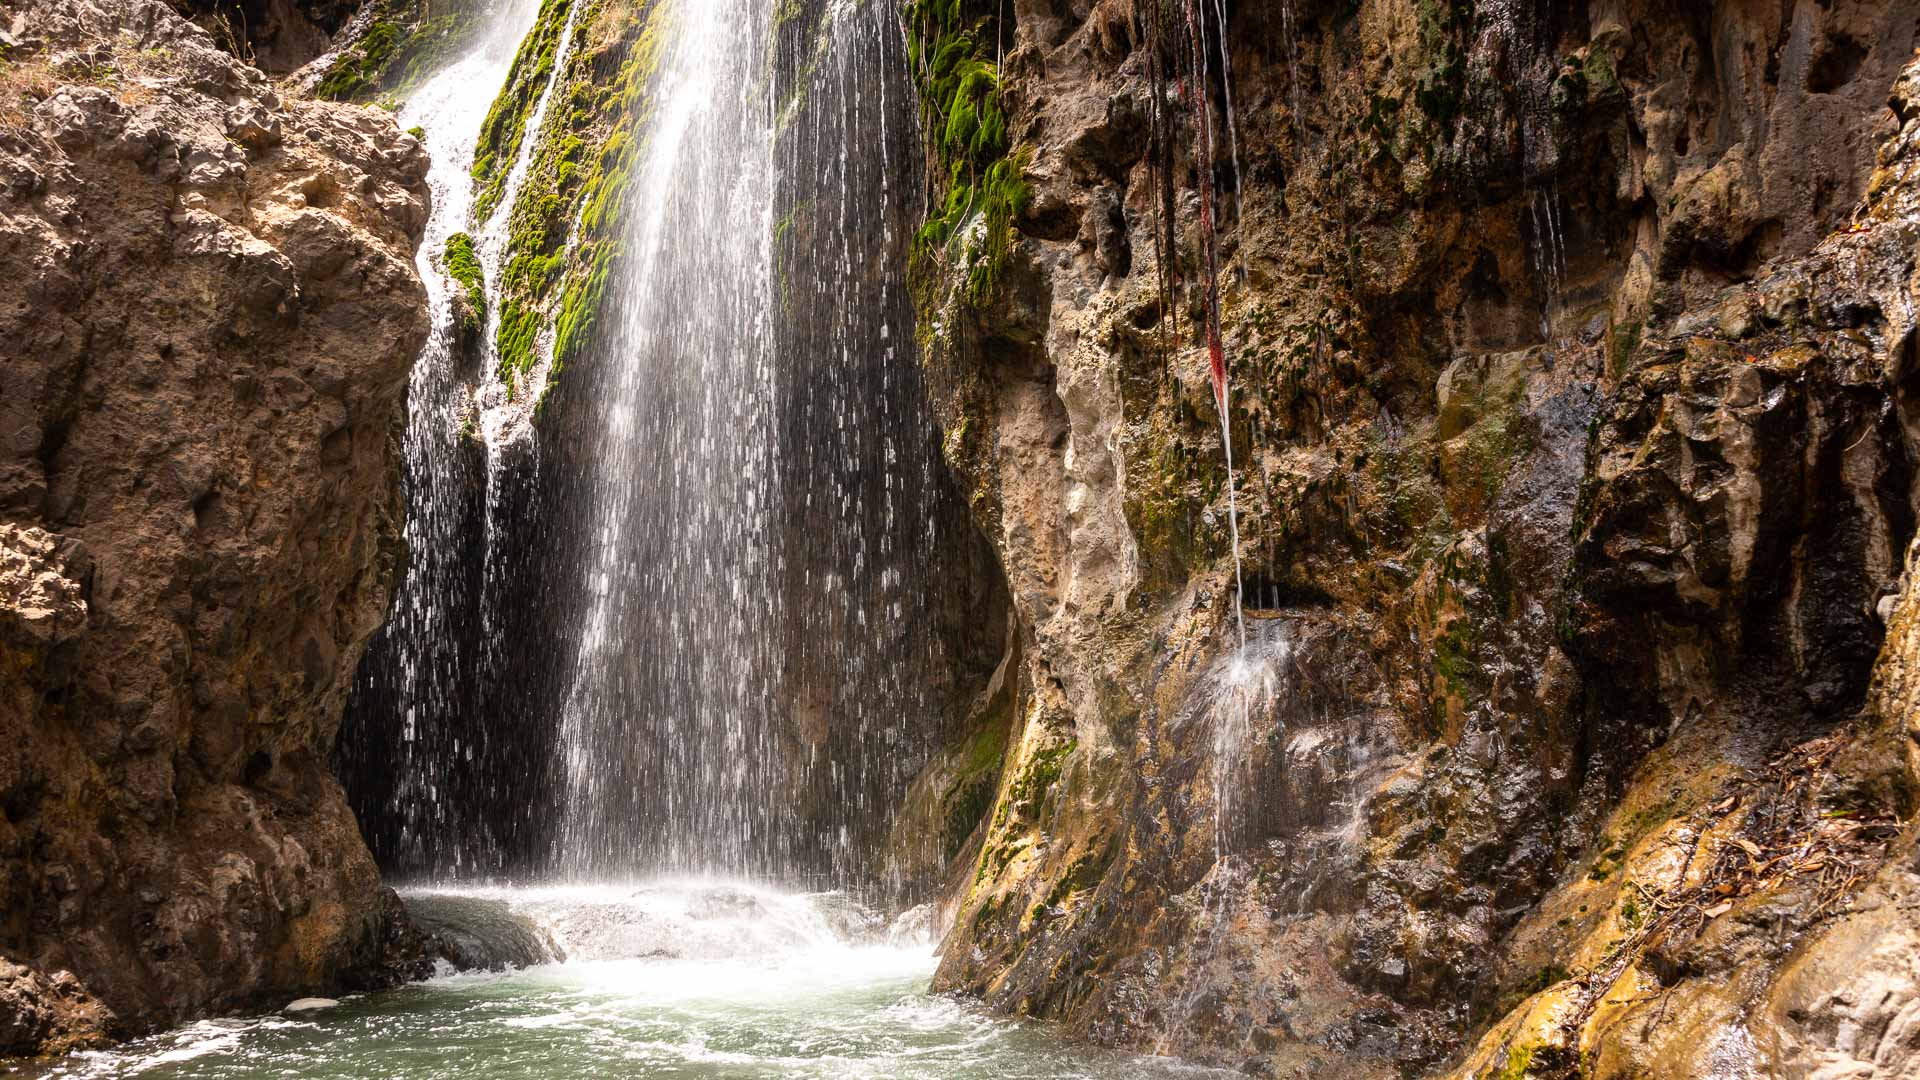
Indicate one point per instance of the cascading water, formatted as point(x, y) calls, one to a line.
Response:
point(755, 681)
point(700, 616)
point(664, 732)
point(425, 670)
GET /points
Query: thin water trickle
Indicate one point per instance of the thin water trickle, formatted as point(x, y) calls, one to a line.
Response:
point(1239, 701)
point(1293, 73)
point(1548, 253)
point(1239, 250)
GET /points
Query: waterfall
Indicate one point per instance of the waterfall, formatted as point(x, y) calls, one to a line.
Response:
point(679, 576)
point(762, 522)
point(700, 612)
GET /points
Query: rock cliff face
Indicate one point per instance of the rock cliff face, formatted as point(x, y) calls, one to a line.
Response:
point(207, 318)
point(1572, 352)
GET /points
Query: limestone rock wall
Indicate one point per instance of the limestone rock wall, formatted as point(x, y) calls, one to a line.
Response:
point(1572, 359)
point(207, 316)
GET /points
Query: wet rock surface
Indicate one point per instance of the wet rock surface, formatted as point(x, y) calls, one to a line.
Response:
point(1572, 353)
point(207, 319)
point(481, 934)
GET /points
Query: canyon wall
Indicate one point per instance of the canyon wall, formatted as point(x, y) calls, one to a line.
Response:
point(207, 318)
point(1571, 350)
point(1556, 716)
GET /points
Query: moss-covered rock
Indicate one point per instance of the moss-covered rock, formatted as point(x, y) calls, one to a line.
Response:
point(563, 227)
point(393, 44)
point(463, 265)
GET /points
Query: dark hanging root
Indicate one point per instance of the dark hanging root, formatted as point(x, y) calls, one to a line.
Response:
point(1203, 165)
point(1160, 162)
point(1177, 68)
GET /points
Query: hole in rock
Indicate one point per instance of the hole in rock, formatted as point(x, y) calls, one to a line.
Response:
point(1146, 316)
point(1259, 594)
point(1839, 61)
point(336, 448)
point(204, 509)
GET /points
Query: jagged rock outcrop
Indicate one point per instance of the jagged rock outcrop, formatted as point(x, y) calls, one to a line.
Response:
point(206, 325)
point(1572, 353)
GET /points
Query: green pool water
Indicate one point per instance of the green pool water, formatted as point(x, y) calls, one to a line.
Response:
point(783, 1007)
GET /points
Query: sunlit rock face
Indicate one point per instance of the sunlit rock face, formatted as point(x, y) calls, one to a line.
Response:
point(207, 315)
point(1570, 353)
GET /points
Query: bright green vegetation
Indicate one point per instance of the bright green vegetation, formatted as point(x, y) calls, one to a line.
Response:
point(947, 45)
point(1519, 1060)
point(562, 239)
point(506, 124)
point(464, 266)
point(403, 45)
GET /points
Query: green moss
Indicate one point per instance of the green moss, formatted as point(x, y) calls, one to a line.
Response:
point(404, 45)
point(1647, 818)
point(1453, 657)
point(1491, 445)
point(1623, 342)
point(1441, 78)
point(964, 812)
point(1030, 789)
point(1519, 1060)
point(563, 238)
point(517, 340)
point(1608, 861)
point(1082, 874)
point(358, 72)
point(964, 114)
point(464, 267)
point(505, 126)
point(975, 780)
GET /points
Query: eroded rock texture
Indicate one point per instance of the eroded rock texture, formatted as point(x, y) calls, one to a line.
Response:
point(1572, 350)
point(206, 322)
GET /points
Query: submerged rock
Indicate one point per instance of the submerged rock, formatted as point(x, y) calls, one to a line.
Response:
point(481, 933)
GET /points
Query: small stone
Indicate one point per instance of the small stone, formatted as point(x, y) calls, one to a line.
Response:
point(309, 1004)
point(251, 124)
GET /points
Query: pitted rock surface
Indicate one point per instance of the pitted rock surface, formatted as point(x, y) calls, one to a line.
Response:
point(1575, 468)
point(206, 325)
